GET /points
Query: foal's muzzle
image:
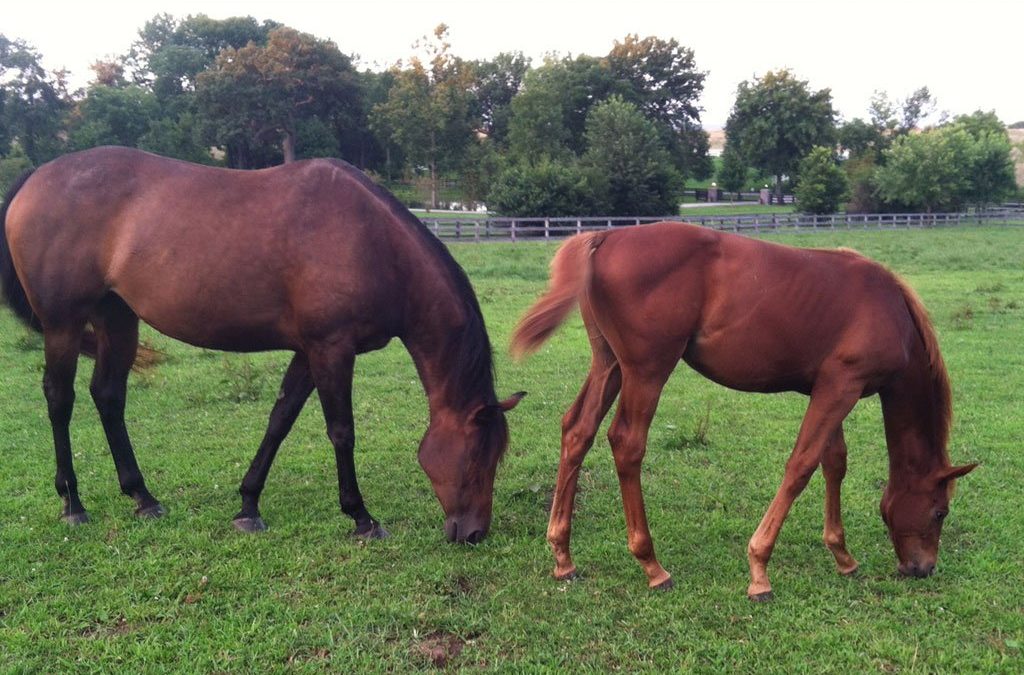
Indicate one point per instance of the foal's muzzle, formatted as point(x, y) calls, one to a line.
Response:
point(464, 530)
point(914, 569)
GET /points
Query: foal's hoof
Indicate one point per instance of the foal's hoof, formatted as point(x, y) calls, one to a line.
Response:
point(767, 596)
point(375, 531)
point(250, 525)
point(665, 585)
point(75, 519)
point(571, 575)
point(151, 511)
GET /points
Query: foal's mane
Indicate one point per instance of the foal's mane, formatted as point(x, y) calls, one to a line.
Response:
point(468, 357)
point(942, 398)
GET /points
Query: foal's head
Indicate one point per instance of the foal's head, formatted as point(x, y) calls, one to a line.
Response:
point(914, 513)
point(460, 456)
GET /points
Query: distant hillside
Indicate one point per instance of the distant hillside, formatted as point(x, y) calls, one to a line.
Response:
point(1017, 138)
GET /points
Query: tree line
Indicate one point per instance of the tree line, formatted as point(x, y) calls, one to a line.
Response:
point(618, 134)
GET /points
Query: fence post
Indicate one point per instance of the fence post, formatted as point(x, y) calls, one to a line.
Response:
point(547, 228)
point(458, 229)
point(513, 228)
point(476, 230)
point(579, 226)
point(609, 223)
point(437, 229)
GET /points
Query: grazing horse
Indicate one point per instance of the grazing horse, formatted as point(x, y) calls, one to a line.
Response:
point(310, 257)
point(760, 317)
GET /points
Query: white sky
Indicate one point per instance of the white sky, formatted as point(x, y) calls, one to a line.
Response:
point(968, 53)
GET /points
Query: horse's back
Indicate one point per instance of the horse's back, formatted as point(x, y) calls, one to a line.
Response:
point(215, 257)
point(749, 314)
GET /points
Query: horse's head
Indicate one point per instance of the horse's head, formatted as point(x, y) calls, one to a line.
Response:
point(460, 454)
point(914, 514)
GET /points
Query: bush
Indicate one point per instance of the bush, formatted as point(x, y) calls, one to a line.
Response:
point(822, 184)
point(545, 188)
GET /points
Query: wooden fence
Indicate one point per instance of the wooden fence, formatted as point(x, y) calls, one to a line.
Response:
point(515, 229)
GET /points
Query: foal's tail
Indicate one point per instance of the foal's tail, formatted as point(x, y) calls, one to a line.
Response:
point(14, 292)
point(570, 272)
point(17, 300)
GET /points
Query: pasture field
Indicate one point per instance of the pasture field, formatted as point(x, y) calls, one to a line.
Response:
point(189, 593)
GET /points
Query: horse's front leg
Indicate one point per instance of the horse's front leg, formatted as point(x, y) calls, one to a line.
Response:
point(628, 438)
point(332, 367)
point(831, 401)
point(833, 466)
point(295, 389)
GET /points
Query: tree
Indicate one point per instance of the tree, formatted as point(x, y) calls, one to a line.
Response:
point(927, 171)
point(822, 185)
point(776, 120)
point(664, 83)
point(628, 163)
point(33, 102)
point(111, 116)
point(497, 82)
point(428, 110)
point(261, 94)
point(966, 162)
point(733, 172)
point(543, 188)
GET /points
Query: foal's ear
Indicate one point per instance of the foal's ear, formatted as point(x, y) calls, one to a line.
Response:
point(486, 413)
point(948, 474)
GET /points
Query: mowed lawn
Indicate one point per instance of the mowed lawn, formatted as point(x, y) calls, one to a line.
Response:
point(190, 593)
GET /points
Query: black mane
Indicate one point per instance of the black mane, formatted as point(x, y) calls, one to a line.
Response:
point(470, 359)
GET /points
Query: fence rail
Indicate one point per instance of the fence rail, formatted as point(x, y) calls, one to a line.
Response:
point(514, 229)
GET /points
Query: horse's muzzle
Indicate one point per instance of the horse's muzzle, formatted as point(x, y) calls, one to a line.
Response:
point(915, 569)
point(464, 530)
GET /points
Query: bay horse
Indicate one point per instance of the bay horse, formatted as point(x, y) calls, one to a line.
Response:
point(310, 257)
point(759, 317)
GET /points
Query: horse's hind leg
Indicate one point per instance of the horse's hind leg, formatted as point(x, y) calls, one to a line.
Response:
point(833, 466)
point(117, 341)
point(641, 390)
point(295, 389)
point(61, 348)
point(579, 426)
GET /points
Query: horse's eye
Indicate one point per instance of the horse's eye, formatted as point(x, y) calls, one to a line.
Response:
point(939, 515)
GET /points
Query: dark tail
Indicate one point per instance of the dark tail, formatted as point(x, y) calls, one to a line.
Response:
point(14, 292)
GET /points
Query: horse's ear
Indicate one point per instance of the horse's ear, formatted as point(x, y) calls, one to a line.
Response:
point(948, 474)
point(512, 401)
point(486, 413)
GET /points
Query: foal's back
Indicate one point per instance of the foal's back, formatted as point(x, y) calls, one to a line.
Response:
point(748, 314)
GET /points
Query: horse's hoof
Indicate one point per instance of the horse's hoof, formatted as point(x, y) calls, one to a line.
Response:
point(375, 532)
point(571, 575)
point(852, 572)
point(250, 525)
point(152, 511)
point(665, 585)
point(76, 519)
point(767, 596)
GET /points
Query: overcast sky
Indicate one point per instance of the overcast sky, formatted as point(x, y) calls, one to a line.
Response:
point(967, 53)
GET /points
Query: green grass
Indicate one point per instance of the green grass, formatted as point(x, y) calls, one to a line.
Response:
point(189, 593)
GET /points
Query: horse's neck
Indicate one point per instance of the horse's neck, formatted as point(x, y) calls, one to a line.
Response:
point(435, 332)
point(914, 419)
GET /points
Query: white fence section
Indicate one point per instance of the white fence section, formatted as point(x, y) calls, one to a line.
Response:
point(514, 229)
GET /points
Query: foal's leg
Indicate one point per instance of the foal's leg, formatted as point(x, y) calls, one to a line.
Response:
point(641, 389)
point(833, 466)
point(117, 340)
point(61, 348)
point(579, 426)
point(295, 389)
point(831, 400)
point(332, 373)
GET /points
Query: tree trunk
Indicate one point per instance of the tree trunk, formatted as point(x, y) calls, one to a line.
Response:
point(288, 146)
point(778, 188)
point(433, 171)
